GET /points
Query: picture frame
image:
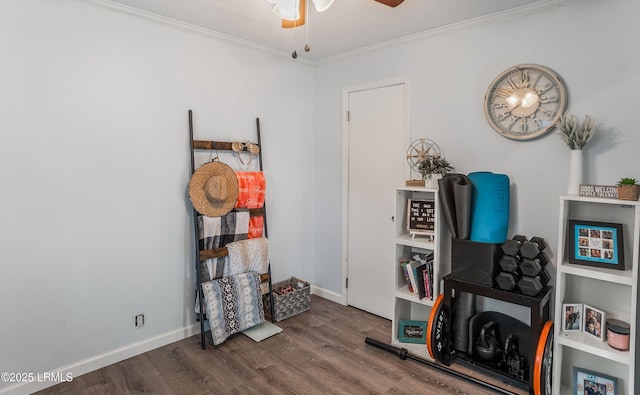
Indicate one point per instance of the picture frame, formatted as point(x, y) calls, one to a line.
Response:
point(597, 244)
point(589, 382)
point(572, 317)
point(412, 331)
point(594, 322)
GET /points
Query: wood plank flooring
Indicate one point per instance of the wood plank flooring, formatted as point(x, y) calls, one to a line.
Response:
point(321, 351)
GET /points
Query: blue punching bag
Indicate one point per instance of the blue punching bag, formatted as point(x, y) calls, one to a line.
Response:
point(489, 207)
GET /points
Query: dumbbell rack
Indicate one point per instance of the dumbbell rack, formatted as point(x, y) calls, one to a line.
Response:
point(539, 315)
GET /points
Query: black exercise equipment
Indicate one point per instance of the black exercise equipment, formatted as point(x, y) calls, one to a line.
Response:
point(511, 247)
point(509, 263)
point(533, 285)
point(487, 345)
point(404, 354)
point(438, 331)
point(543, 362)
point(508, 280)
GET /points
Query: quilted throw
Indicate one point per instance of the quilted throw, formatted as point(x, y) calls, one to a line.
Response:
point(247, 255)
point(233, 304)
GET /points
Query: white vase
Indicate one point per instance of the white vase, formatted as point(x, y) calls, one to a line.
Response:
point(575, 172)
point(432, 180)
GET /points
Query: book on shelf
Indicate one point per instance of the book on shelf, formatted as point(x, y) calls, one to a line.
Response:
point(405, 271)
point(425, 274)
point(413, 277)
point(422, 287)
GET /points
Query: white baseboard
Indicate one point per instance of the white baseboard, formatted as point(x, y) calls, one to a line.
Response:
point(99, 361)
point(330, 295)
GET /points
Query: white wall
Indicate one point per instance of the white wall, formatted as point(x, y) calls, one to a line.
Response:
point(94, 165)
point(96, 225)
point(591, 44)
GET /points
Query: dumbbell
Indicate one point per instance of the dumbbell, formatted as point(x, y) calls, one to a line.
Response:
point(509, 263)
point(533, 256)
point(512, 247)
point(532, 285)
point(508, 280)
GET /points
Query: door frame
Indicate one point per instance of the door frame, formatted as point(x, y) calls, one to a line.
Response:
point(346, 91)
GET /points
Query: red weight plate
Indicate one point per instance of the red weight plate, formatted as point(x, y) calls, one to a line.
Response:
point(543, 360)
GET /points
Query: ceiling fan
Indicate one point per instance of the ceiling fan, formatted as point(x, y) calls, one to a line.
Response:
point(292, 12)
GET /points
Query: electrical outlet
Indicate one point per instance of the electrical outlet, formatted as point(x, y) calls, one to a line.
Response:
point(139, 320)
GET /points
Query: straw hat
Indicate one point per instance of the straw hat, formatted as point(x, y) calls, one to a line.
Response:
point(213, 189)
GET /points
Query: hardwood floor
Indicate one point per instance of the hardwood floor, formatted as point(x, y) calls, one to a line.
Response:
point(321, 351)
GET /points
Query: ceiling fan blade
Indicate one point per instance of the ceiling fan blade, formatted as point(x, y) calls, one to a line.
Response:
point(286, 24)
point(390, 3)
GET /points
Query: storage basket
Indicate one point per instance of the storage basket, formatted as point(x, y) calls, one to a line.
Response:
point(291, 303)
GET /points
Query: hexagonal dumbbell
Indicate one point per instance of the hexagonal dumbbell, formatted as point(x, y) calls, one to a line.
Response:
point(508, 280)
point(509, 263)
point(533, 256)
point(531, 267)
point(542, 244)
point(532, 286)
point(512, 247)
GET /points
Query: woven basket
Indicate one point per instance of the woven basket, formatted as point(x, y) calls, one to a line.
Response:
point(291, 303)
point(628, 192)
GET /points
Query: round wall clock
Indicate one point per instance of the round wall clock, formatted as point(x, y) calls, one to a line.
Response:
point(525, 101)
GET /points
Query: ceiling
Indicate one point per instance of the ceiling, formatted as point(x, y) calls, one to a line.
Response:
point(347, 26)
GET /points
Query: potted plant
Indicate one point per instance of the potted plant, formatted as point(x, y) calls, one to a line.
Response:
point(432, 165)
point(628, 189)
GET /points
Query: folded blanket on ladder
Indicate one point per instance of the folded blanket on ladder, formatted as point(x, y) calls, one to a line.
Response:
point(247, 255)
point(233, 304)
point(217, 232)
point(251, 191)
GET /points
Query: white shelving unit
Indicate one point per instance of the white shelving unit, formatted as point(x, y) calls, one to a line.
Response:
point(613, 291)
point(407, 305)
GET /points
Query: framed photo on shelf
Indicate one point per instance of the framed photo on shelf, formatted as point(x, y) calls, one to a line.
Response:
point(594, 322)
point(597, 244)
point(572, 317)
point(588, 382)
point(410, 331)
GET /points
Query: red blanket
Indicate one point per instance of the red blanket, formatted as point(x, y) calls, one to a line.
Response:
point(252, 186)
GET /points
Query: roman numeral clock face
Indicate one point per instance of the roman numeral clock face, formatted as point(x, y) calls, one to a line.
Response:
point(525, 101)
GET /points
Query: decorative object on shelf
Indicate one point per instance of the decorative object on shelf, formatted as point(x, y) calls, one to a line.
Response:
point(421, 219)
point(411, 331)
point(600, 191)
point(416, 153)
point(628, 189)
point(525, 101)
point(576, 136)
point(596, 244)
point(594, 321)
point(618, 334)
point(432, 168)
point(589, 382)
point(572, 317)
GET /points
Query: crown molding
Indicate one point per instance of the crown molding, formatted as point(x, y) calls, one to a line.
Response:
point(513, 13)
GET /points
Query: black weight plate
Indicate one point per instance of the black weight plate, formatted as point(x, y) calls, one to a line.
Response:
point(438, 337)
point(543, 361)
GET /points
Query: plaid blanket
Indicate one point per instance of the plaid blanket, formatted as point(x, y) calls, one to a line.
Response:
point(217, 232)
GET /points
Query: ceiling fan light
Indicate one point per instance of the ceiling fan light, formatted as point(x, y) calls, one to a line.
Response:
point(322, 5)
point(285, 9)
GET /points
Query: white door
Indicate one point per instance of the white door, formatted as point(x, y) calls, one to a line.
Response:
point(377, 139)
